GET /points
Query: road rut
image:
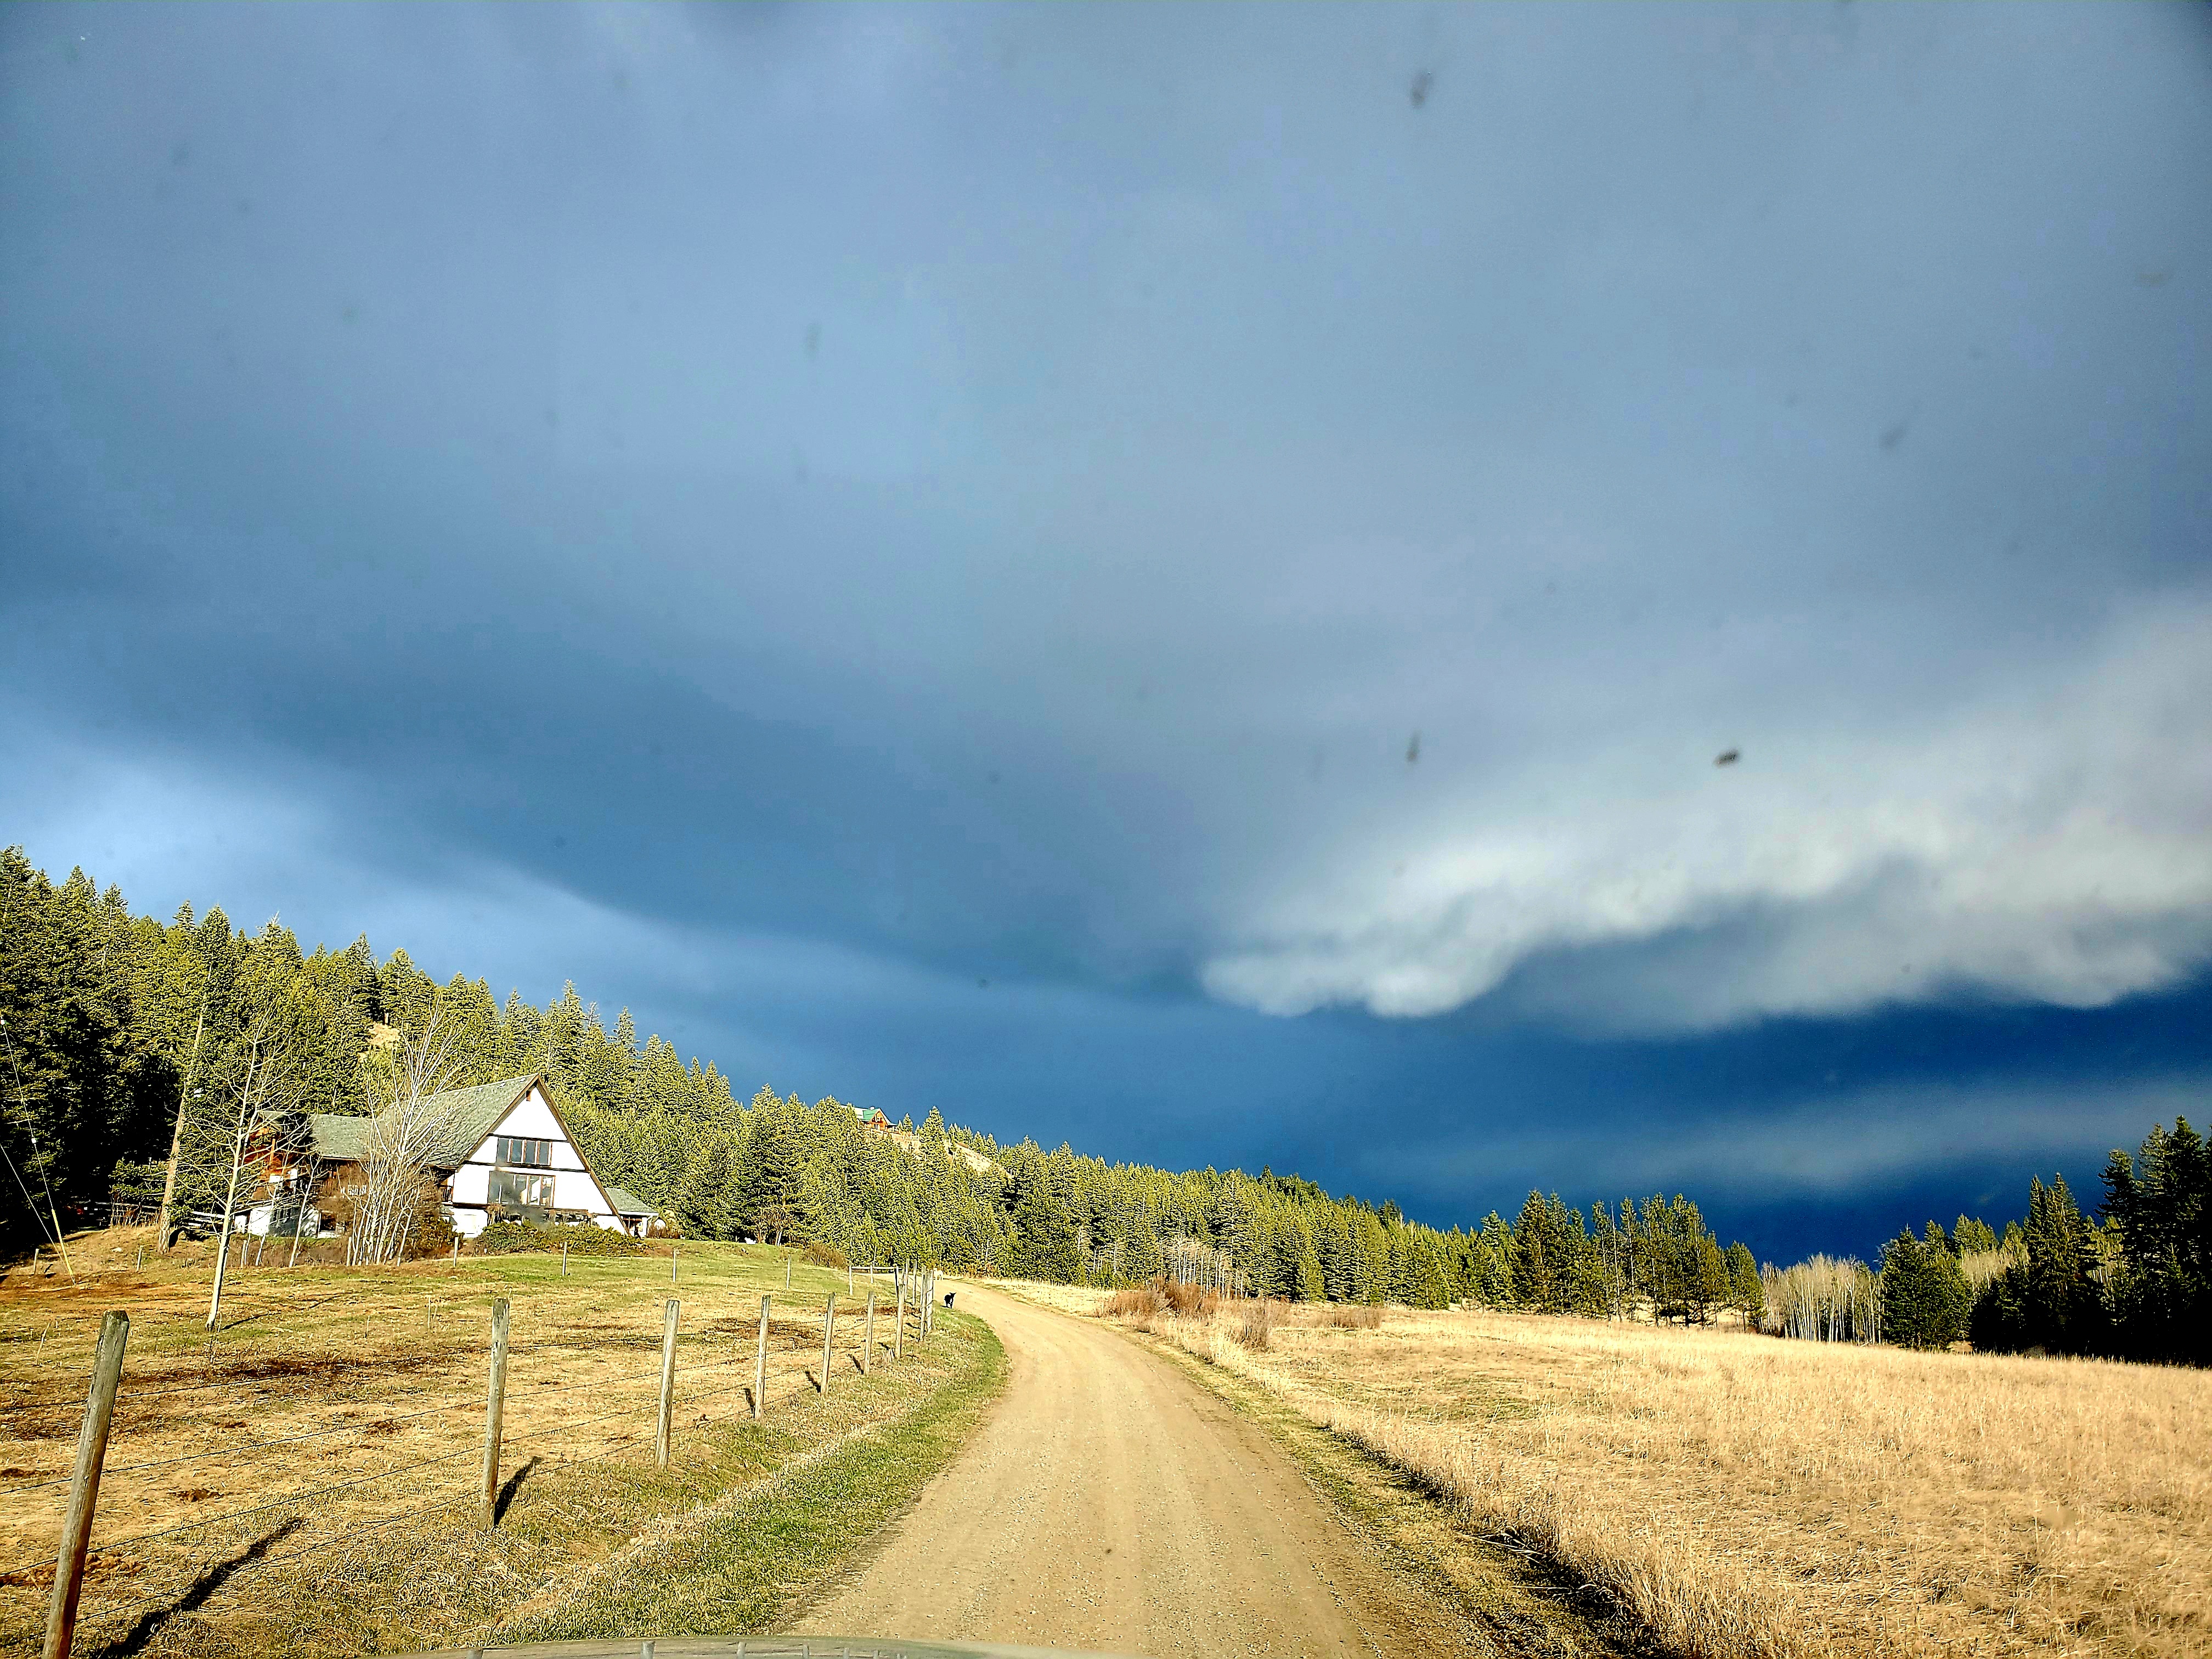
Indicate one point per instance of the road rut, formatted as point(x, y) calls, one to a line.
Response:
point(1109, 1503)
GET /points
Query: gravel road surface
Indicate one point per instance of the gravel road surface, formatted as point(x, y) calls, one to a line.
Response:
point(1109, 1504)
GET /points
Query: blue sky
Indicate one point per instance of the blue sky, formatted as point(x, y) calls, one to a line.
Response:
point(1167, 578)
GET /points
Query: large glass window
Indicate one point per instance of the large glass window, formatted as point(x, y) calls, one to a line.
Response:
point(523, 1153)
point(512, 1187)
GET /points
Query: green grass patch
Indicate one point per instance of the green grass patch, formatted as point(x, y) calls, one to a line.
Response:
point(732, 1566)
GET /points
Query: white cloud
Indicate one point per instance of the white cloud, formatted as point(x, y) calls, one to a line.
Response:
point(2049, 839)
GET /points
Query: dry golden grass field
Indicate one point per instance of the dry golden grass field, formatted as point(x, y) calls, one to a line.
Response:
point(1739, 1494)
point(307, 1482)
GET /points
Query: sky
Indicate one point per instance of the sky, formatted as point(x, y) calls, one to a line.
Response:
point(1179, 579)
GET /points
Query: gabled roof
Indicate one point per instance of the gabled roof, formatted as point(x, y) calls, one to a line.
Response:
point(627, 1203)
point(338, 1137)
point(476, 1111)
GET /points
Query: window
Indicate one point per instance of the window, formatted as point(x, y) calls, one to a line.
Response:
point(510, 1187)
point(522, 1153)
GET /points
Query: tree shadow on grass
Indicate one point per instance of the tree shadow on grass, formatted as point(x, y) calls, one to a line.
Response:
point(195, 1595)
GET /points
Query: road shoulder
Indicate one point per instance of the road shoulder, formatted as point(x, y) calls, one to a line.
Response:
point(745, 1563)
point(1503, 1600)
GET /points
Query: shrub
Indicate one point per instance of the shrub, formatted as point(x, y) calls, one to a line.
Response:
point(1160, 1296)
point(1187, 1301)
point(432, 1233)
point(823, 1254)
point(1141, 1302)
point(1257, 1331)
point(513, 1238)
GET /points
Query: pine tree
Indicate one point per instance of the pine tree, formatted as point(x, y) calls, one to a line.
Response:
point(768, 1168)
point(1923, 1295)
point(1045, 1243)
point(2162, 1212)
point(1973, 1236)
point(2061, 1304)
point(707, 1205)
point(1746, 1295)
point(1372, 1243)
point(1709, 1280)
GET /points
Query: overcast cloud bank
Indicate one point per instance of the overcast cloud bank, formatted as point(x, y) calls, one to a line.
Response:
point(1134, 519)
point(2047, 841)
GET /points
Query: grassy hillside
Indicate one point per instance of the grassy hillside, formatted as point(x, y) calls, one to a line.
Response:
point(305, 1482)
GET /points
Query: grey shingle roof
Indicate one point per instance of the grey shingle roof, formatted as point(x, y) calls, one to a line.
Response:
point(339, 1138)
point(627, 1203)
point(475, 1111)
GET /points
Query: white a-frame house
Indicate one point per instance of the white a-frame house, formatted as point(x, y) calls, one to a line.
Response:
point(508, 1156)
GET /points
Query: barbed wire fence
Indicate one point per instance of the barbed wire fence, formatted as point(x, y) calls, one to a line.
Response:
point(195, 1559)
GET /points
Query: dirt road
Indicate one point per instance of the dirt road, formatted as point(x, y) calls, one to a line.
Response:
point(1109, 1503)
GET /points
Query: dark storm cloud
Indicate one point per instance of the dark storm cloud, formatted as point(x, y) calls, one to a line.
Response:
point(988, 494)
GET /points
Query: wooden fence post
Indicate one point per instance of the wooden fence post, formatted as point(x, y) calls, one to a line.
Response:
point(667, 1381)
point(222, 1272)
point(564, 1258)
point(84, 1484)
point(495, 1409)
point(760, 1365)
point(828, 1331)
point(673, 1247)
point(848, 1278)
point(868, 1347)
point(898, 1329)
point(787, 1270)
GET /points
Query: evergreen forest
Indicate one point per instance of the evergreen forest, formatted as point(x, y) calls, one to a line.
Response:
point(128, 1038)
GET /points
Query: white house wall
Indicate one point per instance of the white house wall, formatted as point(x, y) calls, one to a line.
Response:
point(573, 1187)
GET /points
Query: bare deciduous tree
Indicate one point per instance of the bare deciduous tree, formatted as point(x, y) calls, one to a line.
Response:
point(1188, 1261)
point(260, 1074)
point(1825, 1300)
point(185, 1096)
point(407, 1136)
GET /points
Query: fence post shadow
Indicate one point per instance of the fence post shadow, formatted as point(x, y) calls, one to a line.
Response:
point(514, 1485)
point(195, 1594)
